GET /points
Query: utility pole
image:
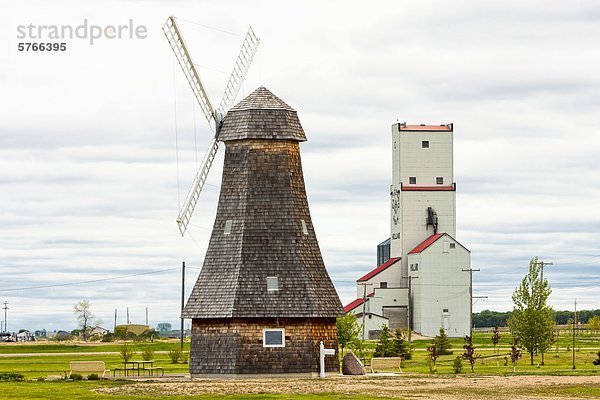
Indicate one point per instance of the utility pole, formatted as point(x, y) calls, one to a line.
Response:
point(115, 326)
point(127, 315)
point(146, 315)
point(574, 327)
point(364, 308)
point(182, 300)
point(409, 308)
point(543, 264)
point(5, 308)
point(470, 271)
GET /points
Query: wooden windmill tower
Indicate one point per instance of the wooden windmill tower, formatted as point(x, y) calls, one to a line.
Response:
point(263, 301)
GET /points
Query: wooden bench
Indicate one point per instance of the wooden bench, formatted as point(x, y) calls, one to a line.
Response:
point(88, 367)
point(386, 364)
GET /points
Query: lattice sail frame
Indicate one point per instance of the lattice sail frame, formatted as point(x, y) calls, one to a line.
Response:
point(240, 69)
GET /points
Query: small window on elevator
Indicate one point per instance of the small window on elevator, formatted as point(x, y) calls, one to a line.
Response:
point(425, 144)
point(439, 180)
point(412, 180)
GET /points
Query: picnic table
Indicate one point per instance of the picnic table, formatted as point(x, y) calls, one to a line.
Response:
point(139, 366)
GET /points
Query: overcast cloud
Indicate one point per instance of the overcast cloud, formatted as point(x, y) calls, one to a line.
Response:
point(88, 171)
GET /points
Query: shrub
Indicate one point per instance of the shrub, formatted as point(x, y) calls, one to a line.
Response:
point(148, 354)
point(126, 352)
point(442, 342)
point(109, 337)
point(432, 357)
point(597, 361)
point(76, 377)
point(175, 355)
point(400, 346)
point(457, 365)
point(385, 345)
point(93, 377)
point(11, 376)
point(185, 357)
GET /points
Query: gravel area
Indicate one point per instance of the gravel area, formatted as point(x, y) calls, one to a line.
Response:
point(401, 386)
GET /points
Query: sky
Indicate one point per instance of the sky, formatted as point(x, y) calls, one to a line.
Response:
point(99, 143)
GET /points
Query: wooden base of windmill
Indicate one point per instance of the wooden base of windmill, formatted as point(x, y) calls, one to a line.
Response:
point(233, 347)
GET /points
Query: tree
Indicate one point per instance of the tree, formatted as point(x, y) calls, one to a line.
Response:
point(442, 342)
point(385, 345)
point(496, 338)
point(532, 322)
point(594, 323)
point(84, 314)
point(401, 347)
point(164, 327)
point(515, 353)
point(432, 357)
point(126, 352)
point(348, 330)
point(469, 353)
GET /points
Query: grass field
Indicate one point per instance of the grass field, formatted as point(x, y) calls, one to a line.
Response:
point(28, 360)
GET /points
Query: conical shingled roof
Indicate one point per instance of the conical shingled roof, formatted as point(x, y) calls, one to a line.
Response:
point(262, 115)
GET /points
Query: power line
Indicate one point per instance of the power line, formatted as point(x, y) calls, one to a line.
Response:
point(90, 281)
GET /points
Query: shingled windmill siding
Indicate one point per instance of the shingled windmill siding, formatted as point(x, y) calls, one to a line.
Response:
point(263, 229)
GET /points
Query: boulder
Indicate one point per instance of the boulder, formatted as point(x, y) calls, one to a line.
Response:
point(351, 365)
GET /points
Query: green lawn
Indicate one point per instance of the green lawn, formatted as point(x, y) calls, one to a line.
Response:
point(36, 367)
point(57, 347)
point(83, 391)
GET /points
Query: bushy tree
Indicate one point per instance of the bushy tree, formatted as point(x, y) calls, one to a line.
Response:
point(401, 347)
point(442, 343)
point(385, 344)
point(348, 330)
point(532, 322)
point(126, 352)
point(594, 323)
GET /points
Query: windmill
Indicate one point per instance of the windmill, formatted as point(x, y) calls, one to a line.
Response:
point(214, 117)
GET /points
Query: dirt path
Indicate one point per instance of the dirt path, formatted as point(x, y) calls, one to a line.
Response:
point(400, 386)
point(74, 354)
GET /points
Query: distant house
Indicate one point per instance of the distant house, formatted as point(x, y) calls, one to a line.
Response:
point(25, 336)
point(98, 331)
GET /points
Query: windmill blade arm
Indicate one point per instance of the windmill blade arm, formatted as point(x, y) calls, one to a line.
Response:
point(185, 214)
point(182, 54)
point(240, 69)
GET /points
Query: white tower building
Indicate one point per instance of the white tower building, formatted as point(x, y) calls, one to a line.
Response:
point(429, 263)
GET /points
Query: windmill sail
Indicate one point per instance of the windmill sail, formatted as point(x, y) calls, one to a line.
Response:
point(242, 64)
point(182, 54)
point(184, 58)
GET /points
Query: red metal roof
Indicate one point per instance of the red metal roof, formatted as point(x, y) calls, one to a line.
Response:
point(428, 188)
point(423, 127)
point(379, 269)
point(355, 303)
point(426, 243)
point(351, 306)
